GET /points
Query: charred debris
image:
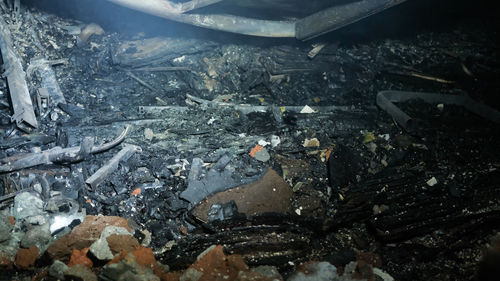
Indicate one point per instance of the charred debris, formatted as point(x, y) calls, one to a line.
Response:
point(205, 156)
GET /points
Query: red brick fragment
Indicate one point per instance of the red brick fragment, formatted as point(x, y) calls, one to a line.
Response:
point(122, 242)
point(25, 258)
point(145, 257)
point(80, 257)
point(83, 235)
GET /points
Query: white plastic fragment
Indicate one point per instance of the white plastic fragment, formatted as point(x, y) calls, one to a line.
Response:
point(307, 110)
point(263, 143)
point(433, 181)
point(180, 59)
point(275, 140)
point(211, 121)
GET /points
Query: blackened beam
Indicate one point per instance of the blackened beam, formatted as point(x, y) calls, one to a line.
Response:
point(24, 115)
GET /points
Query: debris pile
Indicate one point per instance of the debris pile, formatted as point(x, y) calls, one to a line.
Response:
point(147, 156)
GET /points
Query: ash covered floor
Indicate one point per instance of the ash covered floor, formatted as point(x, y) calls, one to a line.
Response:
point(272, 155)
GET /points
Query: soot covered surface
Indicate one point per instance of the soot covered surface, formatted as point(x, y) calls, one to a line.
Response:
point(211, 112)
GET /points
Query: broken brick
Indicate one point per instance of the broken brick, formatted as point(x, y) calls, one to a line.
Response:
point(118, 243)
point(83, 235)
point(25, 258)
point(80, 257)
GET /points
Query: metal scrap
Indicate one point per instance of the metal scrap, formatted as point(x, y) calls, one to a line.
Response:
point(386, 100)
point(248, 108)
point(48, 77)
point(315, 50)
point(24, 115)
point(142, 82)
point(100, 175)
point(58, 154)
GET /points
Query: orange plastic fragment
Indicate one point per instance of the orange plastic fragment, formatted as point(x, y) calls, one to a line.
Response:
point(136, 191)
point(255, 149)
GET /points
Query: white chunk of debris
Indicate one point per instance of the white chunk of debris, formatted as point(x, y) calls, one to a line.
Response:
point(307, 110)
point(314, 142)
point(211, 121)
point(386, 137)
point(263, 143)
point(180, 59)
point(432, 182)
point(149, 134)
point(275, 141)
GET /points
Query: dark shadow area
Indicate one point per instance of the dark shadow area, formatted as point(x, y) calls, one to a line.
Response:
point(402, 21)
point(413, 17)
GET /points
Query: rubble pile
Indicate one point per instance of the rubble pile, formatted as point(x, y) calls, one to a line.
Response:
point(140, 155)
